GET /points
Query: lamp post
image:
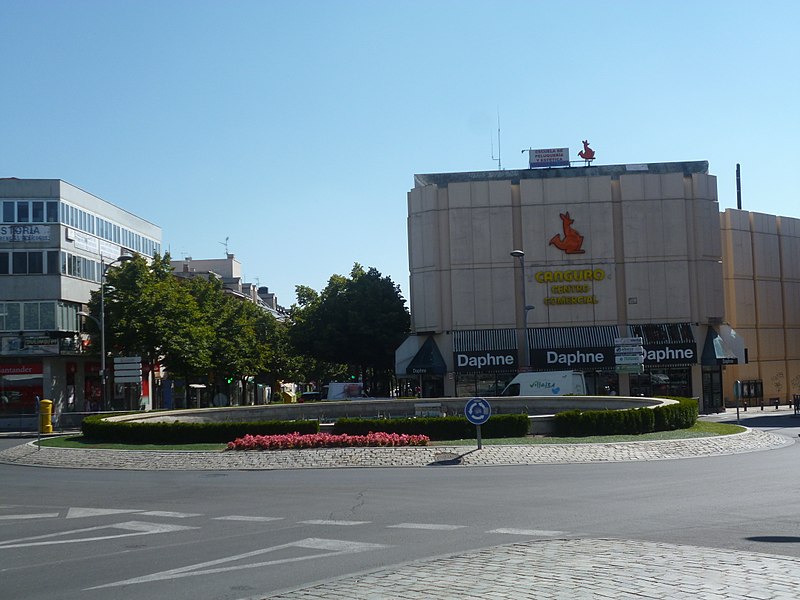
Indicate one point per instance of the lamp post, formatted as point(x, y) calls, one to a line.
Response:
point(526, 358)
point(101, 323)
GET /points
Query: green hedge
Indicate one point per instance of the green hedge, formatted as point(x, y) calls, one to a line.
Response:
point(437, 428)
point(97, 429)
point(577, 423)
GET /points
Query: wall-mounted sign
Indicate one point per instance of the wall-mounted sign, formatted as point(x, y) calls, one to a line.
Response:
point(672, 354)
point(572, 358)
point(485, 360)
point(572, 241)
point(24, 233)
point(548, 157)
point(572, 286)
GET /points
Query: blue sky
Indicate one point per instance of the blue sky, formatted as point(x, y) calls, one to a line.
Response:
point(293, 129)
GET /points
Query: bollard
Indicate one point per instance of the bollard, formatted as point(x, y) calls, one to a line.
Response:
point(45, 416)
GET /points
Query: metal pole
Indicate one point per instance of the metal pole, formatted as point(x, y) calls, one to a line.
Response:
point(103, 333)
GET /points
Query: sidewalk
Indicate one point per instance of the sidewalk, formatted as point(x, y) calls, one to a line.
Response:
point(751, 440)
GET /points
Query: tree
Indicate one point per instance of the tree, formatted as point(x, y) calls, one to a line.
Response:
point(359, 321)
point(149, 313)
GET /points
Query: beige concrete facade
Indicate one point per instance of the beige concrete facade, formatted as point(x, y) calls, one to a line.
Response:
point(761, 269)
point(613, 247)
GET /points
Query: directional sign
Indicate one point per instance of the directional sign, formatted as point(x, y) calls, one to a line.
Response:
point(629, 350)
point(478, 411)
point(119, 360)
point(628, 359)
point(127, 369)
point(629, 369)
point(628, 341)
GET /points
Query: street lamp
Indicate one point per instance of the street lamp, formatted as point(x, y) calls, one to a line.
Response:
point(526, 362)
point(102, 322)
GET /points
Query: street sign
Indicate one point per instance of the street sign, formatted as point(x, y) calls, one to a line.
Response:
point(629, 350)
point(628, 341)
point(629, 359)
point(119, 360)
point(478, 411)
point(127, 369)
point(629, 369)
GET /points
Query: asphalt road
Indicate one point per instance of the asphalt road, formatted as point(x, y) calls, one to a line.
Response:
point(233, 535)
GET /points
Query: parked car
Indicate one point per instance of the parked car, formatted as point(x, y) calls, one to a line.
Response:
point(309, 397)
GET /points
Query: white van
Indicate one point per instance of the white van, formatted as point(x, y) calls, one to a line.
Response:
point(546, 383)
point(344, 391)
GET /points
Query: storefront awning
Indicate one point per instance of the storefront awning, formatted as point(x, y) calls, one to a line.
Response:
point(427, 361)
point(484, 339)
point(600, 336)
point(723, 347)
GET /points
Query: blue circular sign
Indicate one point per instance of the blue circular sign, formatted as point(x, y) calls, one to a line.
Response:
point(478, 411)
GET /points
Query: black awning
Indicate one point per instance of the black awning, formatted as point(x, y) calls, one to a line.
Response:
point(663, 334)
point(428, 361)
point(599, 336)
point(476, 340)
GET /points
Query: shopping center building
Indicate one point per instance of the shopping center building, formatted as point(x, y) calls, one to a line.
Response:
point(55, 241)
point(563, 268)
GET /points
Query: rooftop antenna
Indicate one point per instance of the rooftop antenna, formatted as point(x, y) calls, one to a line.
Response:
point(738, 187)
point(225, 243)
point(497, 158)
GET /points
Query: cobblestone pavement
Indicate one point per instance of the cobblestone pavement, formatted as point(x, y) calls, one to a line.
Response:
point(749, 441)
point(574, 569)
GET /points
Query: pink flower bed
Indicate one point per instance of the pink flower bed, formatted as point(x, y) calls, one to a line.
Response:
point(325, 440)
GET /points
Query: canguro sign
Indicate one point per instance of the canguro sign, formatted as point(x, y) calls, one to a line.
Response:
point(485, 360)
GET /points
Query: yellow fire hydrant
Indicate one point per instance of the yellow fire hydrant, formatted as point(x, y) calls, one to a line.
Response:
point(45, 416)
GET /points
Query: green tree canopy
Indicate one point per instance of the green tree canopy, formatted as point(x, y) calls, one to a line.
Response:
point(359, 321)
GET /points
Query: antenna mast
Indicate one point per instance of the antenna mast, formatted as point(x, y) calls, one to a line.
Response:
point(225, 243)
point(498, 159)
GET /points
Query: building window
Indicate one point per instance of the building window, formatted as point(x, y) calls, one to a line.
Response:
point(8, 211)
point(35, 262)
point(4, 263)
point(19, 261)
point(52, 212)
point(38, 212)
point(23, 213)
point(52, 262)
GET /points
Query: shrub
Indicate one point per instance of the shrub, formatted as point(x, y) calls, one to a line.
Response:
point(577, 423)
point(437, 428)
point(96, 428)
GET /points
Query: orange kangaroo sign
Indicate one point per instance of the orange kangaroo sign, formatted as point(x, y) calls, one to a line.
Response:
point(572, 241)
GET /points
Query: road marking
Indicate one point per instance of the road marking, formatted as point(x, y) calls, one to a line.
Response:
point(330, 522)
point(246, 518)
point(169, 514)
point(325, 547)
point(20, 517)
point(533, 532)
point(433, 526)
point(79, 513)
point(136, 527)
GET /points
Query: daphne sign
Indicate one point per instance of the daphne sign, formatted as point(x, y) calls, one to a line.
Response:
point(485, 360)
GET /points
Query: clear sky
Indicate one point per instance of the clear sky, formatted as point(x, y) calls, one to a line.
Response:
point(293, 129)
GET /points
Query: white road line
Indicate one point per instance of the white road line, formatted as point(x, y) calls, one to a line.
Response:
point(21, 517)
point(169, 514)
point(79, 513)
point(137, 527)
point(325, 548)
point(247, 518)
point(433, 526)
point(531, 532)
point(331, 522)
